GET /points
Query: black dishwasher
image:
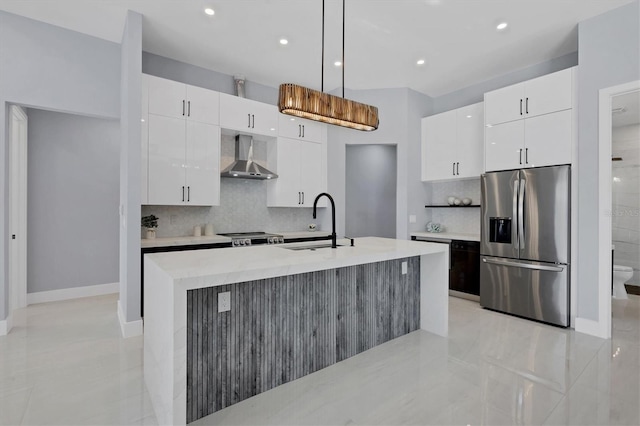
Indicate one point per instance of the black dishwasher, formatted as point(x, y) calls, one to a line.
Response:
point(464, 275)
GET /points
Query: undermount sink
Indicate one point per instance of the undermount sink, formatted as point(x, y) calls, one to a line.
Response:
point(311, 246)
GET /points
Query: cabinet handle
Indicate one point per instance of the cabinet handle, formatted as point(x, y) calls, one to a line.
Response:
point(526, 106)
point(189, 109)
point(183, 112)
point(303, 130)
point(520, 106)
point(183, 194)
point(249, 118)
point(188, 193)
point(526, 156)
point(299, 130)
point(520, 155)
point(303, 197)
point(458, 169)
point(299, 198)
point(253, 121)
point(453, 169)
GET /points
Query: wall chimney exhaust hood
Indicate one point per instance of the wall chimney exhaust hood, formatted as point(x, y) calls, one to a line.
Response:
point(244, 167)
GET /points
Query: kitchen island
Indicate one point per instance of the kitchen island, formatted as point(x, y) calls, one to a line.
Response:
point(292, 312)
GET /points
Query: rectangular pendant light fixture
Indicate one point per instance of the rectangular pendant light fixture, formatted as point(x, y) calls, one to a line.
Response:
point(314, 105)
point(319, 106)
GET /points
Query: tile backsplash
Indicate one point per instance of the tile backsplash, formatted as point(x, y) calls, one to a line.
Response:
point(243, 207)
point(464, 220)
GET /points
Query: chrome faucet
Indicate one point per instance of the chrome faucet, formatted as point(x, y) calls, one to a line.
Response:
point(333, 216)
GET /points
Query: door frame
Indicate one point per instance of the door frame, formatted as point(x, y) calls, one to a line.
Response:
point(18, 138)
point(604, 203)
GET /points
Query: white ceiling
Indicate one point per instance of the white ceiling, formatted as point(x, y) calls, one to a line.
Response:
point(384, 38)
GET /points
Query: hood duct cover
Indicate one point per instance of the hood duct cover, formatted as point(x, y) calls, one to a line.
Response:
point(244, 167)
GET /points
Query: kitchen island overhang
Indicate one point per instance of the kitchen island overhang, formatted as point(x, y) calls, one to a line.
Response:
point(171, 276)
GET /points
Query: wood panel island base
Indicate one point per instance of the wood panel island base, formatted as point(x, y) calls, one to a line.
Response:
point(292, 312)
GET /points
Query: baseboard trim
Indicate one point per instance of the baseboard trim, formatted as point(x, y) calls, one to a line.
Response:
point(6, 325)
point(593, 328)
point(633, 289)
point(131, 328)
point(72, 293)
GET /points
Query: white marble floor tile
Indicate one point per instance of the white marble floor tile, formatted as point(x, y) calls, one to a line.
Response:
point(65, 363)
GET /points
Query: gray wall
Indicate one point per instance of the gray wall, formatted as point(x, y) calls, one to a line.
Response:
point(51, 68)
point(73, 201)
point(609, 50)
point(370, 205)
point(400, 111)
point(474, 94)
point(202, 77)
point(130, 171)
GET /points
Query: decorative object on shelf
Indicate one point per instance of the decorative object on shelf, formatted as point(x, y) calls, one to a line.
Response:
point(312, 227)
point(457, 202)
point(451, 200)
point(466, 201)
point(151, 223)
point(446, 206)
point(319, 106)
point(208, 230)
point(434, 227)
point(197, 231)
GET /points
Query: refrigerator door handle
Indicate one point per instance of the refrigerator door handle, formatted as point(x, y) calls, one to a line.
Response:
point(523, 265)
point(514, 229)
point(523, 184)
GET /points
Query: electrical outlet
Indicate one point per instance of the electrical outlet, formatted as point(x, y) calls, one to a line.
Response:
point(404, 268)
point(412, 218)
point(224, 301)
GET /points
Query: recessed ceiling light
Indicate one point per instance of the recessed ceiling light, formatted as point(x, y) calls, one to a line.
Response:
point(209, 11)
point(420, 62)
point(468, 116)
point(284, 41)
point(337, 63)
point(501, 26)
point(292, 119)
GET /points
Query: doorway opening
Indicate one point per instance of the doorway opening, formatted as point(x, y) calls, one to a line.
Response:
point(371, 187)
point(606, 206)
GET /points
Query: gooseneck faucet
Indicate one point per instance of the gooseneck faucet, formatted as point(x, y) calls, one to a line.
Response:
point(333, 216)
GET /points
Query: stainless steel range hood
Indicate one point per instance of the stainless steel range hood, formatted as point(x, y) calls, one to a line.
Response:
point(244, 167)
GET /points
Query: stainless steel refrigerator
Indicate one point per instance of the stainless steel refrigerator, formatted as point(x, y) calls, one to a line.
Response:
point(525, 248)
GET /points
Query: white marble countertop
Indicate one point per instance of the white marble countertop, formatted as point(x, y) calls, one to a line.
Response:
point(183, 241)
point(447, 236)
point(213, 267)
point(304, 234)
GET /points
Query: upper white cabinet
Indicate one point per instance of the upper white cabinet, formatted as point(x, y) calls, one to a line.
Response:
point(299, 128)
point(248, 116)
point(542, 95)
point(452, 144)
point(180, 144)
point(172, 99)
point(541, 134)
point(301, 168)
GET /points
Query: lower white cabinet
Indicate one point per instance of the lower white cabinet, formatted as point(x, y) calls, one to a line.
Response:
point(184, 162)
point(539, 141)
point(301, 168)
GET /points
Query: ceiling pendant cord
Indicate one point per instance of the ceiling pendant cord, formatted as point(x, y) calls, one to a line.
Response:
point(342, 49)
point(322, 70)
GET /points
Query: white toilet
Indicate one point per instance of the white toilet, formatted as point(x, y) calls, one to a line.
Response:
point(621, 274)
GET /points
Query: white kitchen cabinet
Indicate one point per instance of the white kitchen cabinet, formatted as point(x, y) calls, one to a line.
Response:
point(452, 144)
point(535, 142)
point(299, 128)
point(248, 116)
point(301, 168)
point(543, 95)
point(178, 100)
point(184, 159)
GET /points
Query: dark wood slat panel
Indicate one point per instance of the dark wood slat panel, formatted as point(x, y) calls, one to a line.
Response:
point(280, 329)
